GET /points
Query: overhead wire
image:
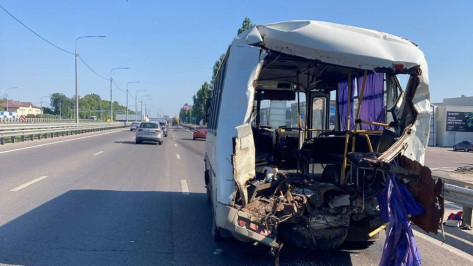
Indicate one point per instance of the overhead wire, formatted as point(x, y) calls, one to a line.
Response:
point(118, 87)
point(58, 47)
point(32, 31)
point(47, 41)
point(91, 69)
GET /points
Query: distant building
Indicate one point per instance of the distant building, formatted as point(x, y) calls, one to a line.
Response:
point(453, 121)
point(21, 108)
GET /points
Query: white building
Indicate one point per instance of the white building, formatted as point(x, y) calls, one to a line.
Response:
point(21, 108)
point(453, 121)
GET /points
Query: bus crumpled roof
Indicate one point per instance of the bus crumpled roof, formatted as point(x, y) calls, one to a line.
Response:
point(334, 44)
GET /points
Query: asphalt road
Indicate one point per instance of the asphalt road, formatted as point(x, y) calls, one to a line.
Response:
point(100, 199)
point(446, 159)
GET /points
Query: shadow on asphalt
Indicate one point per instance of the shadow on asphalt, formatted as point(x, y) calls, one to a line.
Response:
point(134, 143)
point(102, 227)
point(191, 139)
point(452, 150)
point(456, 237)
point(186, 139)
point(125, 142)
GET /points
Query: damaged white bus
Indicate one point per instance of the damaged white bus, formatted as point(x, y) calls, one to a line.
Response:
point(314, 183)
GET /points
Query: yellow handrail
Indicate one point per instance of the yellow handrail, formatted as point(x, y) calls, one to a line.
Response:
point(347, 136)
point(358, 111)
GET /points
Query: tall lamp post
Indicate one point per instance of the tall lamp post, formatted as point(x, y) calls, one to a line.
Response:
point(136, 104)
point(111, 80)
point(75, 71)
point(146, 109)
point(6, 94)
point(136, 81)
point(42, 111)
point(141, 101)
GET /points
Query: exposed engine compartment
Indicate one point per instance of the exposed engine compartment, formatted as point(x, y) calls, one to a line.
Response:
point(307, 210)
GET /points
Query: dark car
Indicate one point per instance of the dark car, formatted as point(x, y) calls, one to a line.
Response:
point(200, 133)
point(464, 145)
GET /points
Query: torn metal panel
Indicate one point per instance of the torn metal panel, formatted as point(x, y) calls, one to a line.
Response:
point(242, 68)
point(428, 193)
point(243, 159)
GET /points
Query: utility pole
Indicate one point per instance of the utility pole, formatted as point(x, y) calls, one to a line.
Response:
point(111, 81)
point(127, 99)
point(6, 94)
point(75, 74)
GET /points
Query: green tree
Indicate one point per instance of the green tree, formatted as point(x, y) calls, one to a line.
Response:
point(216, 66)
point(89, 105)
point(185, 115)
point(62, 105)
point(104, 110)
point(245, 25)
point(199, 111)
point(47, 110)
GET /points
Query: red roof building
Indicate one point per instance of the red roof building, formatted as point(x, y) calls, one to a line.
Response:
point(22, 108)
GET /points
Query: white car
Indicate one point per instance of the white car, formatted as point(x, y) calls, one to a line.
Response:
point(134, 126)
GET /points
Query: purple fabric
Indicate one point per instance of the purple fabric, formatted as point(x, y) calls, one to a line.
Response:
point(396, 202)
point(342, 97)
point(372, 107)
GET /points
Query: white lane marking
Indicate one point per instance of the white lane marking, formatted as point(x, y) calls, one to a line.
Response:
point(57, 142)
point(28, 183)
point(184, 187)
point(444, 245)
point(100, 152)
point(178, 156)
point(175, 145)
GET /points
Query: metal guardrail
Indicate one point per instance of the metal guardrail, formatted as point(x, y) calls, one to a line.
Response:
point(35, 120)
point(38, 131)
point(462, 196)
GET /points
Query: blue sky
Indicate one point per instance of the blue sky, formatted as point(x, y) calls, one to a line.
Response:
point(171, 46)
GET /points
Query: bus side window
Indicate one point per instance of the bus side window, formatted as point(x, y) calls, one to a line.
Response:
point(217, 96)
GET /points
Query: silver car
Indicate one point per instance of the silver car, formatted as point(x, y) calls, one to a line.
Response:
point(134, 126)
point(149, 131)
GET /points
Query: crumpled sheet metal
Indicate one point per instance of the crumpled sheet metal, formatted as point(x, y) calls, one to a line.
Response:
point(428, 193)
point(243, 159)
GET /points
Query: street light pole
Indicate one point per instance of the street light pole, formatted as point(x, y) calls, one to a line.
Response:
point(141, 101)
point(6, 94)
point(42, 111)
point(111, 80)
point(75, 72)
point(137, 81)
point(136, 104)
point(146, 108)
